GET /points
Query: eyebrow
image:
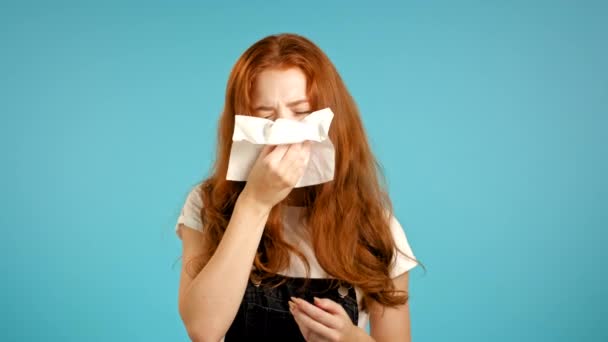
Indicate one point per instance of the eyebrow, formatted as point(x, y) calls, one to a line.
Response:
point(290, 104)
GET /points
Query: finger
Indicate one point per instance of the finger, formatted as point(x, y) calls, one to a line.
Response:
point(291, 154)
point(329, 306)
point(316, 313)
point(296, 172)
point(275, 156)
point(296, 316)
point(299, 158)
point(306, 150)
point(291, 162)
point(266, 149)
point(307, 144)
point(309, 326)
point(305, 331)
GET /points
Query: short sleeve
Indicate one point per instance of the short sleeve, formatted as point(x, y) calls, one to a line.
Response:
point(190, 212)
point(401, 263)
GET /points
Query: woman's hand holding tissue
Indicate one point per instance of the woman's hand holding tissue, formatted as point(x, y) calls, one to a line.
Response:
point(276, 171)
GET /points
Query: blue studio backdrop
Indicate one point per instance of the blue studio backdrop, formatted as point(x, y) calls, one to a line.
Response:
point(489, 118)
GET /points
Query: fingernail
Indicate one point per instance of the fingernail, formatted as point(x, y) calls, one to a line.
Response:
point(294, 299)
point(316, 299)
point(291, 305)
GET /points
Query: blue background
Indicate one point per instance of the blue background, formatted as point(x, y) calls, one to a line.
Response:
point(489, 118)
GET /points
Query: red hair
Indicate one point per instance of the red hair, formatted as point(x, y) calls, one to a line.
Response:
point(349, 216)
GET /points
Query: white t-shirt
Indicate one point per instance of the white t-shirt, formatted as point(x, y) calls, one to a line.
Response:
point(189, 216)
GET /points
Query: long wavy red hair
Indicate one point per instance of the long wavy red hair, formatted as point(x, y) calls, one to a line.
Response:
point(348, 217)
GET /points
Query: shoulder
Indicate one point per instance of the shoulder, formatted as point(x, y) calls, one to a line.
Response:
point(398, 233)
point(194, 196)
point(189, 215)
point(404, 256)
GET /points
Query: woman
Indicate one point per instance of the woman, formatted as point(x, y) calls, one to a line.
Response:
point(262, 259)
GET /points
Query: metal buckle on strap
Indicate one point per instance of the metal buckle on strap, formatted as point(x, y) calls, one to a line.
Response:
point(342, 291)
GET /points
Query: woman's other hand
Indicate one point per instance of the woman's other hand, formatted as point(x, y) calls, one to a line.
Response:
point(326, 320)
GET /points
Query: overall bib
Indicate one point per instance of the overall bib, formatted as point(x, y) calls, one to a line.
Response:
point(264, 311)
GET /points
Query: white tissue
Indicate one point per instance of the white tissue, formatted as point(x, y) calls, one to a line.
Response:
point(252, 133)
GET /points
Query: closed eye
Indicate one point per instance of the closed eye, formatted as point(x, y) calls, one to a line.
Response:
point(269, 117)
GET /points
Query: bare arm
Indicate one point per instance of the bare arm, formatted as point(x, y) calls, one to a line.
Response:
point(209, 302)
point(394, 323)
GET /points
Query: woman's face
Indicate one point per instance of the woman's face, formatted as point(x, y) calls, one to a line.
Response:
point(280, 94)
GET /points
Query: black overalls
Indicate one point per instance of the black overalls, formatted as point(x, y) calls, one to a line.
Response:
point(264, 311)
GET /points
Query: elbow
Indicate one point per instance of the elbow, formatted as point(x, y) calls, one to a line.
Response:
point(196, 334)
point(200, 330)
point(201, 327)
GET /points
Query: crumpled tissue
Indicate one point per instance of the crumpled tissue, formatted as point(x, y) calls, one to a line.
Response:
point(252, 133)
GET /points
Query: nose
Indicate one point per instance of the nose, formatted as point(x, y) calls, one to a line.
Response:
point(285, 112)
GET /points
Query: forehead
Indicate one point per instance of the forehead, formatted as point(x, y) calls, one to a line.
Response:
point(273, 85)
